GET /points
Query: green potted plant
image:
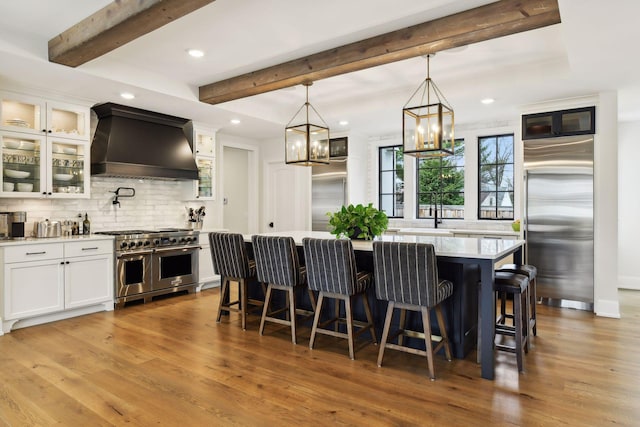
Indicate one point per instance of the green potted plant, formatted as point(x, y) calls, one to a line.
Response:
point(358, 222)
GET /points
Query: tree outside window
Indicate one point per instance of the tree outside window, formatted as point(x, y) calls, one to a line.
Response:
point(441, 185)
point(391, 180)
point(495, 192)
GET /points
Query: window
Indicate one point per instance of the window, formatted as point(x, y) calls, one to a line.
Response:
point(441, 184)
point(495, 183)
point(391, 179)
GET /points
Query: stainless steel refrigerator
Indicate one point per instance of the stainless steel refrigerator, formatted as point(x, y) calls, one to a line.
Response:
point(328, 192)
point(558, 218)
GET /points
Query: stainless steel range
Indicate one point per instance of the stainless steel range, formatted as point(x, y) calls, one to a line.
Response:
point(150, 263)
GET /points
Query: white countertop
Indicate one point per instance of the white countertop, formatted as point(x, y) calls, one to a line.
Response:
point(36, 240)
point(460, 247)
point(452, 231)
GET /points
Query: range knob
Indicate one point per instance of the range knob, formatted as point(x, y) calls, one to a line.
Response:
point(173, 240)
point(139, 243)
point(183, 240)
point(123, 245)
point(156, 242)
point(132, 245)
point(147, 242)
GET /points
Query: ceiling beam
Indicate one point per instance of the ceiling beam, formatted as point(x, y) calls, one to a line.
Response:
point(115, 25)
point(487, 22)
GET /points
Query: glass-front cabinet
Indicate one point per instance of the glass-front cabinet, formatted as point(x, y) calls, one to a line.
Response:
point(44, 146)
point(23, 113)
point(35, 166)
point(204, 188)
point(205, 177)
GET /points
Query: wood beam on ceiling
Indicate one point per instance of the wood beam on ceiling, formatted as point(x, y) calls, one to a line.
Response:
point(115, 25)
point(502, 18)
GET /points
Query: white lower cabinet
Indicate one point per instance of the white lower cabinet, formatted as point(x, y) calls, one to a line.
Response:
point(63, 280)
point(207, 278)
point(85, 280)
point(33, 288)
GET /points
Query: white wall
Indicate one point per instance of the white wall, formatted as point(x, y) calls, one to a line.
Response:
point(628, 204)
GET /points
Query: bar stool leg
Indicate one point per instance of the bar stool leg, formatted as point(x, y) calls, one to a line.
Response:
point(385, 331)
point(223, 293)
point(292, 309)
point(265, 308)
point(243, 302)
point(517, 311)
point(316, 319)
point(367, 310)
point(349, 315)
point(426, 322)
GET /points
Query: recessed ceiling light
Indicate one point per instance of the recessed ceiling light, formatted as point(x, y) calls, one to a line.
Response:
point(487, 101)
point(343, 122)
point(127, 95)
point(235, 121)
point(196, 53)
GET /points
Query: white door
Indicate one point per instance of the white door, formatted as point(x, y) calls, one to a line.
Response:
point(236, 190)
point(287, 197)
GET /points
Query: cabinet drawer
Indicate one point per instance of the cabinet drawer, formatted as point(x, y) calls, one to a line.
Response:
point(88, 247)
point(35, 252)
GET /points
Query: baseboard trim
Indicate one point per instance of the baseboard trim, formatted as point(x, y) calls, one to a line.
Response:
point(629, 282)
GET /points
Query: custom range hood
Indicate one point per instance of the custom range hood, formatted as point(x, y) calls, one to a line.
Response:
point(130, 142)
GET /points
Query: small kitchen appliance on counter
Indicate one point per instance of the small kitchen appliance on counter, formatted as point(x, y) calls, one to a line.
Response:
point(47, 228)
point(12, 225)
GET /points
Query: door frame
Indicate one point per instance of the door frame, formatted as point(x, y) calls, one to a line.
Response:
point(253, 154)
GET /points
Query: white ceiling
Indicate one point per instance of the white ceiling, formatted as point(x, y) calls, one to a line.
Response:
point(587, 53)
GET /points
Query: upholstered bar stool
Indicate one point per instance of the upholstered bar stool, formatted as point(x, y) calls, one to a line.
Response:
point(516, 285)
point(231, 261)
point(331, 270)
point(531, 272)
point(406, 275)
point(278, 265)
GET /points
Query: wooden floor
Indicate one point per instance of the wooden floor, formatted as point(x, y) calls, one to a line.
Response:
point(169, 363)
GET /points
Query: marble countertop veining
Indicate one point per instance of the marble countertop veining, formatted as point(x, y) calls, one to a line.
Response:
point(460, 247)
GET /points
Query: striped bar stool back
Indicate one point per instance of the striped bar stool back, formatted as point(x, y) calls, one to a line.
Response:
point(406, 275)
point(332, 271)
point(278, 265)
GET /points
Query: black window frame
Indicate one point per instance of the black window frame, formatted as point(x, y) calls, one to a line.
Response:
point(441, 193)
point(395, 193)
point(497, 164)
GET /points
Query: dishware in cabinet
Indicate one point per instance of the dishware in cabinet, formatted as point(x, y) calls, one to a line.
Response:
point(23, 169)
point(37, 166)
point(29, 114)
point(67, 168)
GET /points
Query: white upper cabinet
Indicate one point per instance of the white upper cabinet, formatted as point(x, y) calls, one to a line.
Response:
point(45, 148)
point(29, 114)
point(204, 142)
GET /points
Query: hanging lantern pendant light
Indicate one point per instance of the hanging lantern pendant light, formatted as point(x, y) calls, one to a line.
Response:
point(428, 122)
point(306, 137)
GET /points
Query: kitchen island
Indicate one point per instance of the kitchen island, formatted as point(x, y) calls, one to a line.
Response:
point(465, 259)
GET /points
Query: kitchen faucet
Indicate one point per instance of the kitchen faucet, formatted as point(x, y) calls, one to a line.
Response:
point(432, 196)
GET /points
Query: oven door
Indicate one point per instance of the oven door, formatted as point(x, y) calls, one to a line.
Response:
point(175, 267)
point(133, 276)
